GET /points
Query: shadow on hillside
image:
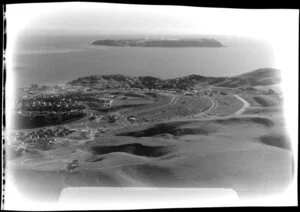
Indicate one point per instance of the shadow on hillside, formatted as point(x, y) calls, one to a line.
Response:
point(171, 129)
point(135, 149)
point(276, 140)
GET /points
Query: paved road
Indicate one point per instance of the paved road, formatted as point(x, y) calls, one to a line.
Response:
point(175, 98)
point(172, 102)
point(214, 105)
point(244, 107)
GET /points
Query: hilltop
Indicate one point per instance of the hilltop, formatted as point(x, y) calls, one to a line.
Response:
point(259, 77)
point(204, 42)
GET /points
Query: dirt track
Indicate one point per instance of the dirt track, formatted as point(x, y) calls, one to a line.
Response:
point(173, 101)
point(215, 105)
point(245, 106)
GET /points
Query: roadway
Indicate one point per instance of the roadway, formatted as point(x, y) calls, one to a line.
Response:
point(124, 120)
point(245, 106)
point(215, 104)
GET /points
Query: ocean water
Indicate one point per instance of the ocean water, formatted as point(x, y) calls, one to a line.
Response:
point(59, 59)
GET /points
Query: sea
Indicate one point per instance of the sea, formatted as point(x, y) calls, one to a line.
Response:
point(56, 59)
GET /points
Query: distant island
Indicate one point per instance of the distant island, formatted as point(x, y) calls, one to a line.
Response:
point(204, 42)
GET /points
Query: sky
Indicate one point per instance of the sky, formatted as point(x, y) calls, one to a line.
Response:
point(125, 18)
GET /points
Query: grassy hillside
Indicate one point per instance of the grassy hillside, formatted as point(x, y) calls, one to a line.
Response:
point(259, 77)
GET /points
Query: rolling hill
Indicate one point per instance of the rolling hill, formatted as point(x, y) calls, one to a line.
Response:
point(259, 77)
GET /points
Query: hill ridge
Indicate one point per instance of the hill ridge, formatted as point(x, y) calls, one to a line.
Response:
point(257, 77)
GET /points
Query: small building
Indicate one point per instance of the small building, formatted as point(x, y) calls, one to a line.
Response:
point(99, 131)
point(92, 117)
point(131, 118)
point(113, 117)
point(108, 103)
point(73, 167)
point(84, 133)
point(188, 94)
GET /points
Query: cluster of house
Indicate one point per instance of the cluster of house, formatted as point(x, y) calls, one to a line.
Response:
point(41, 139)
point(48, 104)
point(85, 133)
point(174, 91)
point(112, 117)
point(73, 167)
point(189, 93)
point(100, 131)
point(107, 102)
point(45, 133)
point(106, 99)
point(45, 113)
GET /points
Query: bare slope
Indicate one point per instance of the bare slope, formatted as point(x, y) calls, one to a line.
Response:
point(249, 154)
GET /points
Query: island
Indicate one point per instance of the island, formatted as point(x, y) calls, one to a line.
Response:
point(203, 42)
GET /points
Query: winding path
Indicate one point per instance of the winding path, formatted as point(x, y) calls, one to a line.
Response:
point(173, 101)
point(244, 107)
point(215, 105)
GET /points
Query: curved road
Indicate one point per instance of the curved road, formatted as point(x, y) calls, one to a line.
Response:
point(215, 105)
point(244, 107)
point(175, 98)
point(171, 103)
